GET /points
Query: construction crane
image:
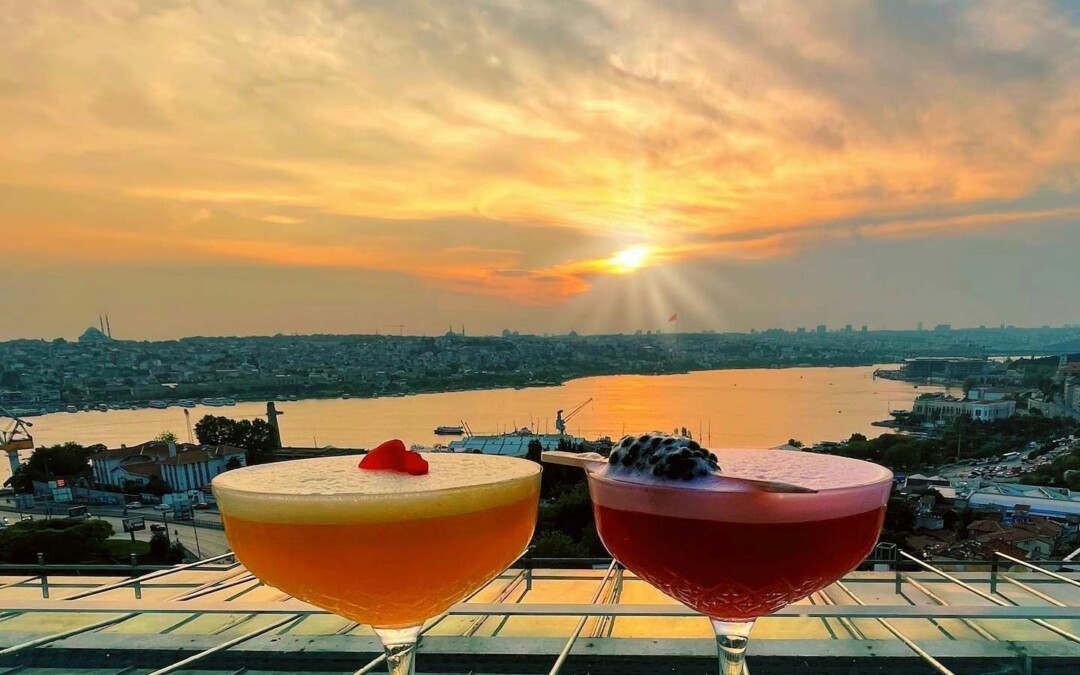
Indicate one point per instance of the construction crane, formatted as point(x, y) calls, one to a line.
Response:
point(560, 421)
point(15, 438)
point(400, 328)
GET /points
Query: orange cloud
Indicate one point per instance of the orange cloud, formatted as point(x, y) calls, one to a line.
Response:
point(724, 132)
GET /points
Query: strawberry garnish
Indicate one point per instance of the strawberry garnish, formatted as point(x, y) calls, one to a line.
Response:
point(393, 456)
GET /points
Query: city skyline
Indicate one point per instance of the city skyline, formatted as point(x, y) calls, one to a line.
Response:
point(213, 168)
point(664, 328)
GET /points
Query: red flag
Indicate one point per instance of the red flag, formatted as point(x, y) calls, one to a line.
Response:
point(674, 317)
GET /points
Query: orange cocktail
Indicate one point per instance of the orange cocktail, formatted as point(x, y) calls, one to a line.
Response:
point(383, 548)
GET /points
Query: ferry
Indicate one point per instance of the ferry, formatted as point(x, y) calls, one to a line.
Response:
point(213, 402)
point(449, 431)
point(159, 405)
point(228, 401)
point(186, 403)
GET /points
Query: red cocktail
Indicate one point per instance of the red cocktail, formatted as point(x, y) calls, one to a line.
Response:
point(729, 550)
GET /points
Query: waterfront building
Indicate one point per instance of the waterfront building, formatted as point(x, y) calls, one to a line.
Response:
point(943, 367)
point(514, 444)
point(937, 408)
point(181, 466)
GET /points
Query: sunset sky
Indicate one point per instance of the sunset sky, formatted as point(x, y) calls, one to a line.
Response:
point(255, 167)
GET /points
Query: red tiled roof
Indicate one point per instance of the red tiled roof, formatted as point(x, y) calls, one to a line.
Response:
point(202, 454)
point(991, 547)
point(1013, 535)
point(143, 468)
point(158, 452)
point(985, 526)
point(148, 449)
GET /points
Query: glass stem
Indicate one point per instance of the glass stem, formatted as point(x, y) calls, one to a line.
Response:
point(400, 647)
point(731, 640)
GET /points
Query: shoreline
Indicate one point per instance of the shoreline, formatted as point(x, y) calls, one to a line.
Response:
point(144, 404)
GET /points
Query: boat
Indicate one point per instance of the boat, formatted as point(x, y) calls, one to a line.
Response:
point(228, 401)
point(449, 431)
point(101, 407)
point(346, 396)
point(186, 403)
point(213, 402)
point(71, 409)
point(159, 405)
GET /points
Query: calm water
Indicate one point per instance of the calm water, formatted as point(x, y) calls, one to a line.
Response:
point(748, 408)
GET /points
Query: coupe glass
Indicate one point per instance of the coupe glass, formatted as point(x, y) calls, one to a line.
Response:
point(735, 553)
point(382, 548)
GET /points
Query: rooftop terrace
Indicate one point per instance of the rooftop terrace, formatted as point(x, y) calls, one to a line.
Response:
point(999, 616)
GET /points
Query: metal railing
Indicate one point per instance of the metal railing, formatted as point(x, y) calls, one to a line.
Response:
point(1038, 584)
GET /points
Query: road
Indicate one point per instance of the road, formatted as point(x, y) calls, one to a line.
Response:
point(211, 541)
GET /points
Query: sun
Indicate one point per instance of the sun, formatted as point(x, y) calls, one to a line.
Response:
point(629, 259)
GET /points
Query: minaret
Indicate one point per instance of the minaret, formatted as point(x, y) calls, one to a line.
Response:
point(108, 328)
point(101, 324)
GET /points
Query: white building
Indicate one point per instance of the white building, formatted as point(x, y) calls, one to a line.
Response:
point(1043, 501)
point(183, 467)
point(940, 408)
point(515, 444)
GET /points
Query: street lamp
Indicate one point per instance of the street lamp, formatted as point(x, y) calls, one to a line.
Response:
point(195, 529)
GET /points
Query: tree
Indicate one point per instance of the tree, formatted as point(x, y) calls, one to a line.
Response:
point(968, 385)
point(20, 481)
point(68, 459)
point(156, 486)
point(233, 463)
point(555, 544)
point(794, 442)
point(535, 450)
point(159, 546)
point(61, 540)
point(254, 436)
point(166, 436)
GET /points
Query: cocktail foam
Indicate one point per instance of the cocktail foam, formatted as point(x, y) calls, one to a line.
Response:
point(845, 487)
point(332, 490)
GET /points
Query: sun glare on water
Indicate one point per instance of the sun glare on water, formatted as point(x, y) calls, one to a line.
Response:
point(629, 259)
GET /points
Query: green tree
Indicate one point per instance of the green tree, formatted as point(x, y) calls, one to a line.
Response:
point(899, 521)
point(555, 544)
point(61, 540)
point(67, 460)
point(156, 486)
point(535, 450)
point(254, 436)
point(968, 385)
point(20, 481)
point(159, 546)
point(166, 436)
point(795, 443)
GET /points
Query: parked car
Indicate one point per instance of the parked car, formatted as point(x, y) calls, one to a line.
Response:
point(134, 505)
point(158, 527)
point(201, 506)
point(163, 507)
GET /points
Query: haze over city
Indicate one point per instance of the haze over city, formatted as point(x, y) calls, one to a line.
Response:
point(220, 168)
